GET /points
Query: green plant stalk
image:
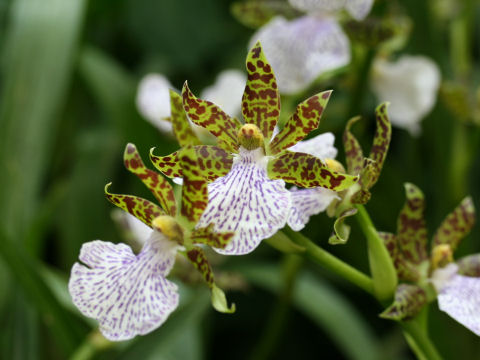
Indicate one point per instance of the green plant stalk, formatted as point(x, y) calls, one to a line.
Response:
point(94, 343)
point(330, 262)
point(383, 271)
point(419, 341)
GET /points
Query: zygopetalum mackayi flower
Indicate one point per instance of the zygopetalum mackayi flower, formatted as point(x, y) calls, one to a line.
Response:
point(368, 168)
point(428, 276)
point(250, 165)
point(129, 294)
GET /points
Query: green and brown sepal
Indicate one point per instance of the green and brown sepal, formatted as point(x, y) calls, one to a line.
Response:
point(181, 126)
point(409, 301)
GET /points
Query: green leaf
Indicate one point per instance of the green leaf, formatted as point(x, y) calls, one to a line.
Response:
point(37, 64)
point(456, 225)
point(411, 229)
point(307, 171)
point(156, 183)
point(341, 231)
point(409, 300)
point(322, 304)
point(208, 115)
point(261, 98)
point(305, 119)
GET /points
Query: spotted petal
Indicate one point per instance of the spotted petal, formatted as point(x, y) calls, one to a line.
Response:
point(320, 146)
point(381, 140)
point(409, 300)
point(208, 236)
point(169, 165)
point(127, 293)
point(247, 202)
point(142, 209)
point(353, 150)
point(156, 183)
point(305, 119)
point(306, 203)
point(181, 126)
point(194, 189)
point(261, 99)
point(208, 115)
point(307, 171)
point(456, 225)
point(411, 229)
point(460, 298)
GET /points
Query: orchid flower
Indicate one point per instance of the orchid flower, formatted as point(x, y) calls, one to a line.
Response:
point(411, 84)
point(247, 170)
point(153, 96)
point(457, 285)
point(303, 49)
point(129, 294)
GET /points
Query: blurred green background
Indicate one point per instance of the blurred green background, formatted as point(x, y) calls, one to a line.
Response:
point(69, 73)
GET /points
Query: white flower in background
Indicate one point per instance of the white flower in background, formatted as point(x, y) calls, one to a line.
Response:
point(302, 49)
point(458, 296)
point(226, 91)
point(410, 84)
point(153, 100)
point(153, 97)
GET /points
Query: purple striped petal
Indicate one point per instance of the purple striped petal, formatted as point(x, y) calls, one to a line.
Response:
point(301, 50)
point(308, 202)
point(460, 298)
point(247, 202)
point(127, 293)
point(320, 146)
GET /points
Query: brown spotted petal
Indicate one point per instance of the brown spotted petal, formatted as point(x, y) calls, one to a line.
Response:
point(353, 150)
point(156, 183)
point(261, 98)
point(305, 119)
point(194, 189)
point(383, 135)
point(208, 236)
point(341, 231)
point(307, 171)
point(469, 265)
point(208, 115)
point(169, 165)
point(409, 300)
point(181, 126)
point(405, 270)
point(142, 209)
point(199, 260)
point(368, 176)
point(456, 225)
point(411, 230)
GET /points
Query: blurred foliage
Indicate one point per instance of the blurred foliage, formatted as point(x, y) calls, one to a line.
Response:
point(69, 71)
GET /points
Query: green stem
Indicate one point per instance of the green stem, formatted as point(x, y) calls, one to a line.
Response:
point(381, 265)
point(327, 260)
point(419, 341)
point(93, 344)
point(279, 314)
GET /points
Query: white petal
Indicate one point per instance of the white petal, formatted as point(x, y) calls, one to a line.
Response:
point(460, 298)
point(153, 100)
point(318, 6)
point(137, 230)
point(127, 294)
point(301, 50)
point(358, 9)
point(227, 91)
point(248, 202)
point(320, 146)
point(410, 84)
point(308, 202)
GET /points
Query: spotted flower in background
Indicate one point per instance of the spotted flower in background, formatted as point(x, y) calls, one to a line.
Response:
point(153, 96)
point(247, 170)
point(129, 293)
point(411, 84)
point(457, 284)
point(304, 48)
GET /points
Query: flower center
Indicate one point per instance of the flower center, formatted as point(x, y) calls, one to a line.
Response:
point(250, 137)
point(168, 226)
point(334, 165)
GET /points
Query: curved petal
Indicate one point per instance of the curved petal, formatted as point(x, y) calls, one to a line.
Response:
point(301, 50)
point(227, 91)
point(410, 84)
point(308, 202)
point(247, 202)
point(153, 100)
point(127, 294)
point(320, 146)
point(460, 298)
